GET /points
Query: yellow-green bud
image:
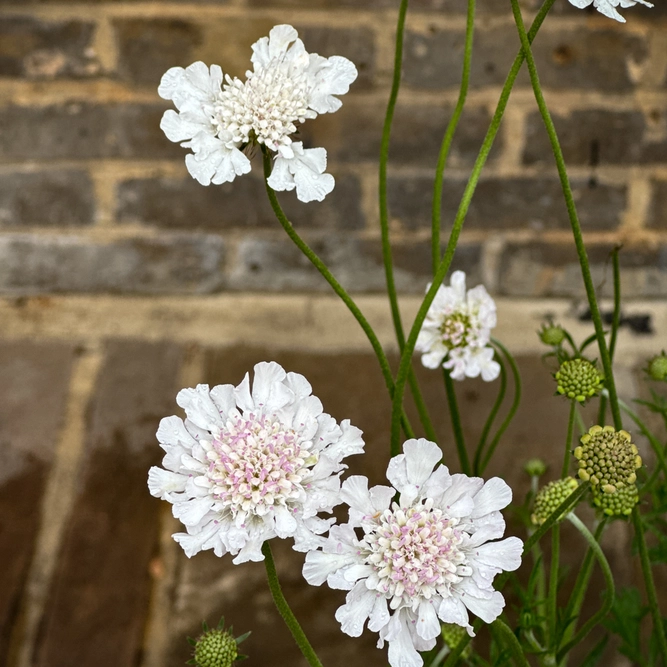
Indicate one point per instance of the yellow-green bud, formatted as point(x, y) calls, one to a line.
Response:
point(535, 467)
point(550, 497)
point(578, 379)
point(607, 459)
point(620, 503)
point(551, 334)
point(215, 648)
point(657, 367)
point(452, 634)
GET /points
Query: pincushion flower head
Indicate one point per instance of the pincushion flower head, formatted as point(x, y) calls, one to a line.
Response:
point(430, 557)
point(457, 330)
point(219, 117)
point(608, 7)
point(252, 463)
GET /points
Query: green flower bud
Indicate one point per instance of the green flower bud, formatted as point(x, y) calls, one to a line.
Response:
point(620, 503)
point(535, 467)
point(550, 497)
point(657, 368)
point(452, 634)
point(608, 459)
point(215, 648)
point(578, 379)
point(551, 334)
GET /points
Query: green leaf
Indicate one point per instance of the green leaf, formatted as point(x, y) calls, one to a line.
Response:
point(243, 637)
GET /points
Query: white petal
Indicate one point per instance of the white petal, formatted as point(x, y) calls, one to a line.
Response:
point(402, 652)
point(223, 397)
point(488, 609)
point(285, 522)
point(268, 389)
point(358, 606)
point(379, 616)
point(504, 555)
point(273, 46)
point(421, 456)
point(428, 626)
point(332, 78)
point(494, 495)
point(305, 171)
point(452, 610)
point(198, 406)
point(162, 483)
point(319, 566)
point(191, 512)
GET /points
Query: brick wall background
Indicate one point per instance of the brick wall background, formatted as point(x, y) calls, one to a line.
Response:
point(123, 280)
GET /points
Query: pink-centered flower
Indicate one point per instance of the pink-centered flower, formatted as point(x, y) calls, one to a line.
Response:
point(431, 557)
point(252, 463)
point(219, 117)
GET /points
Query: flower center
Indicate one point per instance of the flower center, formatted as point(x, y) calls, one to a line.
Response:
point(416, 553)
point(265, 107)
point(257, 463)
point(455, 329)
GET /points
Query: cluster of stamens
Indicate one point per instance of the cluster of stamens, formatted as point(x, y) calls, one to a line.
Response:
point(457, 330)
point(415, 553)
point(256, 463)
point(265, 107)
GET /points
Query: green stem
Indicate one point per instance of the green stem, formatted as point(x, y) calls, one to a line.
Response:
point(658, 627)
point(502, 630)
point(384, 219)
point(285, 611)
point(574, 219)
point(457, 428)
point(569, 502)
point(337, 288)
point(568, 442)
point(436, 212)
point(491, 418)
point(616, 317)
point(609, 583)
point(552, 602)
point(404, 365)
point(516, 376)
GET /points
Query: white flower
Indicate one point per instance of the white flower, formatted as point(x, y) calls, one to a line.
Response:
point(457, 330)
point(608, 7)
point(286, 86)
point(249, 464)
point(427, 559)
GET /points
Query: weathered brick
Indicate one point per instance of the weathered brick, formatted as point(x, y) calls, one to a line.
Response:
point(657, 216)
point(38, 49)
point(97, 608)
point(268, 264)
point(33, 391)
point(354, 133)
point(147, 48)
point(173, 263)
point(357, 44)
point(46, 198)
point(184, 203)
point(595, 136)
point(541, 269)
point(509, 203)
point(84, 130)
point(455, 6)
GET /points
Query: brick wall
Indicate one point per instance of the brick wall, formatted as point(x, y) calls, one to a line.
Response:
point(93, 198)
point(123, 280)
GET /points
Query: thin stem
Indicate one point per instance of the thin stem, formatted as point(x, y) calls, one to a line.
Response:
point(516, 376)
point(552, 602)
point(457, 428)
point(285, 611)
point(337, 288)
point(655, 443)
point(568, 442)
point(609, 583)
point(616, 317)
point(404, 365)
point(491, 418)
point(658, 627)
point(574, 218)
point(436, 212)
point(501, 629)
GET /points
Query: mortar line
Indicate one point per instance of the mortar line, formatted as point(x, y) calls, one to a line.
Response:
point(164, 569)
point(57, 504)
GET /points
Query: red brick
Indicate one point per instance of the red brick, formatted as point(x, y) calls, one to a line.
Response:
point(97, 609)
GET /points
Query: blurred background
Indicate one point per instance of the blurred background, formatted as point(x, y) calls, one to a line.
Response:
point(123, 280)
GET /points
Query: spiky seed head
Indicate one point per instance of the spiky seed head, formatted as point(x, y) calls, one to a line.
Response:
point(578, 379)
point(550, 497)
point(620, 503)
point(607, 459)
point(551, 334)
point(657, 367)
point(215, 648)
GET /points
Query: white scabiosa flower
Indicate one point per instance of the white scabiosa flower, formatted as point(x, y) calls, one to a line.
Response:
point(457, 330)
point(249, 464)
point(608, 7)
point(426, 559)
point(217, 119)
